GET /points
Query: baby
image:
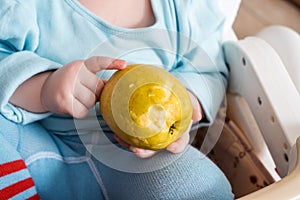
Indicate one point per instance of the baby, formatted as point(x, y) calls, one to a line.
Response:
point(55, 59)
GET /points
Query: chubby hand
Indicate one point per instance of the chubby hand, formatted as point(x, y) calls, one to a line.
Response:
point(75, 88)
point(180, 144)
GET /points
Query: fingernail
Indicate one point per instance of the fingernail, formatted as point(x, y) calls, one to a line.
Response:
point(120, 62)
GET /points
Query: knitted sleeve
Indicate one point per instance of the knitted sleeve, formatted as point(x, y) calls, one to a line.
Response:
point(19, 38)
point(200, 66)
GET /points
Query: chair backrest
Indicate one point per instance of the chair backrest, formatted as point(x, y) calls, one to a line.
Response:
point(286, 43)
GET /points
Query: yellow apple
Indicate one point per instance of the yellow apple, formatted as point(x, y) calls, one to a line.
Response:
point(146, 106)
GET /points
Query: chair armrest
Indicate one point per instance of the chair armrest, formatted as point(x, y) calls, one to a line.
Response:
point(286, 188)
point(258, 74)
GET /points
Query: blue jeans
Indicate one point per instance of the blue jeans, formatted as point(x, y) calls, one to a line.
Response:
point(64, 167)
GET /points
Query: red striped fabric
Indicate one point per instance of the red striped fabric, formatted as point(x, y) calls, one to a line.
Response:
point(18, 187)
point(34, 197)
point(11, 167)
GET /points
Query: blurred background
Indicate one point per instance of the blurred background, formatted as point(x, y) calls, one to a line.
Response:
point(257, 14)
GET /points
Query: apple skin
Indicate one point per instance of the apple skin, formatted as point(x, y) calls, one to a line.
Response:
point(146, 106)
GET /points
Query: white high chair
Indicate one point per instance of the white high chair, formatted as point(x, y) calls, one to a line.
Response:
point(264, 81)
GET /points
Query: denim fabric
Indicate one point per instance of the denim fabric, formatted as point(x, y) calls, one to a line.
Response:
point(63, 168)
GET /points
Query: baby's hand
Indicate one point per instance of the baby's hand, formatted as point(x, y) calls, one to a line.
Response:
point(75, 88)
point(179, 145)
point(176, 147)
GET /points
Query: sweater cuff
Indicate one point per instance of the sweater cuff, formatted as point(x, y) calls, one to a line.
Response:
point(14, 70)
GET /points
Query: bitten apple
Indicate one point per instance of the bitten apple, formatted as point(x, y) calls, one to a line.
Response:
point(146, 106)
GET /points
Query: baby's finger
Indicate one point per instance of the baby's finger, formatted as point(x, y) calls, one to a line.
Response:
point(98, 63)
point(84, 95)
point(77, 109)
point(179, 145)
point(197, 109)
point(91, 81)
point(142, 153)
point(120, 141)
